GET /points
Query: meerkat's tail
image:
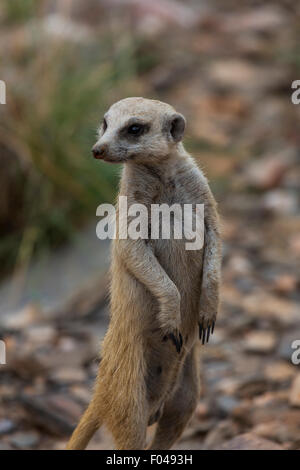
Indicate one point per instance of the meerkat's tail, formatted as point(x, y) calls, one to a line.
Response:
point(86, 428)
point(119, 397)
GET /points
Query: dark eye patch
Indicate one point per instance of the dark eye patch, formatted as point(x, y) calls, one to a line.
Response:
point(104, 125)
point(134, 129)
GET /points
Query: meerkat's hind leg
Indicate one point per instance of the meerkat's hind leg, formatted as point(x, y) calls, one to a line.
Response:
point(179, 408)
point(130, 435)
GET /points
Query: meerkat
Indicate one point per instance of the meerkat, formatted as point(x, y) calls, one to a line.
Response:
point(163, 298)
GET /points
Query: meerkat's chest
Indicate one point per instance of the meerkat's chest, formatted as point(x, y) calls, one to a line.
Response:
point(169, 190)
point(174, 209)
point(170, 203)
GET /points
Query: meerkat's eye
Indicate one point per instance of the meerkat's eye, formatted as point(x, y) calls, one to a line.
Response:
point(136, 129)
point(104, 125)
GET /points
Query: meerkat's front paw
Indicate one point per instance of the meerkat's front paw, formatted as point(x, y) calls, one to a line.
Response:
point(172, 333)
point(206, 327)
point(169, 318)
point(176, 338)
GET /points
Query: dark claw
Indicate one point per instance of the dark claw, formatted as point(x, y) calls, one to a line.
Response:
point(181, 340)
point(208, 334)
point(200, 331)
point(177, 343)
point(204, 333)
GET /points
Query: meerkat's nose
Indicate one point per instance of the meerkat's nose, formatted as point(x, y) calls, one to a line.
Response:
point(99, 151)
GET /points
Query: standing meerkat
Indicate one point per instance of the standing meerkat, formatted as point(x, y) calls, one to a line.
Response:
point(163, 296)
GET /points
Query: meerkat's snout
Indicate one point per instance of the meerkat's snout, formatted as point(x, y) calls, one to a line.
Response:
point(99, 151)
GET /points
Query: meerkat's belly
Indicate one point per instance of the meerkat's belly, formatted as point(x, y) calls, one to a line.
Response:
point(138, 313)
point(183, 266)
point(181, 256)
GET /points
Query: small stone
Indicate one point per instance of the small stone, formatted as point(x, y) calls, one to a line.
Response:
point(252, 385)
point(68, 375)
point(198, 428)
point(271, 307)
point(6, 426)
point(260, 342)
point(241, 75)
point(25, 440)
point(285, 283)
point(23, 318)
point(295, 392)
point(274, 430)
point(40, 334)
point(223, 430)
point(202, 410)
point(7, 391)
point(239, 265)
point(66, 405)
point(70, 356)
point(56, 414)
point(279, 371)
point(226, 404)
point(81, 392)
point(263, 18)
point(67, 344)
point(249, 441)
point(270, 399)
point(280, 202)
point(228, 386)
point(269, 170)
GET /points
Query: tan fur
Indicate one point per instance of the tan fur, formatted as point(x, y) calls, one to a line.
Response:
point(157, 288)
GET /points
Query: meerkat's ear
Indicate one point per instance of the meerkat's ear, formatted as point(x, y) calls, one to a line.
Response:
point(176, 126)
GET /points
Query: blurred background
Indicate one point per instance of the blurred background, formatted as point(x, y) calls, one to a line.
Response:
point(228, 67)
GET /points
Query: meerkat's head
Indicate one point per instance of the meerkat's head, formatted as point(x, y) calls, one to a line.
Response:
point(140, 130)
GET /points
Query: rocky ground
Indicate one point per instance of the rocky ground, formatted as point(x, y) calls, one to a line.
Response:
point(230, 72)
